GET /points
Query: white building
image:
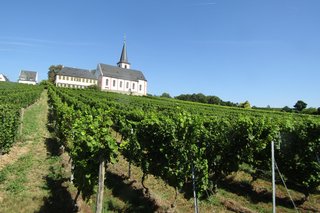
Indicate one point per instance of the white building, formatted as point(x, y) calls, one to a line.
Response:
point(119, 78)
point(28, 77)
point(3, 77)
point(75, 78)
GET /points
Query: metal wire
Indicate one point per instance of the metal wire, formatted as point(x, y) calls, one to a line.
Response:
point(297, 210)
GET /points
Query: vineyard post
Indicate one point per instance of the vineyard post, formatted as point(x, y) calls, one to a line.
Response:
point(21, 120)
point(129, 169)
point(194, 191)
point(99, 201)
point(273, 179)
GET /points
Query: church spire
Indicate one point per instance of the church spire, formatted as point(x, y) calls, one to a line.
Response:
point(123, 63)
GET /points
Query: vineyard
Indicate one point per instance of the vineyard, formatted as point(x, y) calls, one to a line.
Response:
point(190, 146)
point(13, 99)
point(182, 143)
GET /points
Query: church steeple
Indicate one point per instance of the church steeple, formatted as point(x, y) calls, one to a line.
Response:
point(123, 63)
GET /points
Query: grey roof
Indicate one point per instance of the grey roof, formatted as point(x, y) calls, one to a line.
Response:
point(124, 57)
point(93, 72)
point(28, 75)
point(121, 73)
point(76, 72)
point(5, 77)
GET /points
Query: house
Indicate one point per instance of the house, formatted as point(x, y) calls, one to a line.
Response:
point(3, 77)
point(75, 78)
point(28, 77)
point(119, 78)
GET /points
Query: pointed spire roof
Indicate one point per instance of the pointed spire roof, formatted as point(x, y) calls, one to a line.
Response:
point(124, 57)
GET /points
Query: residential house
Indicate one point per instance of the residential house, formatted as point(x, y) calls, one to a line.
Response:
point(3, 77)
point(28, 77)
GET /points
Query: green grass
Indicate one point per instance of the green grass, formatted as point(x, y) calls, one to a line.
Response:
point(24, 185)
point(13, 177)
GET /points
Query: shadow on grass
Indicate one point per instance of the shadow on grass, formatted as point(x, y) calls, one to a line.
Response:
point(60, 199)
point(134, 198)
point(245, 189)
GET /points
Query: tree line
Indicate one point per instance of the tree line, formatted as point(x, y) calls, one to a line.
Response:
point(299, 107)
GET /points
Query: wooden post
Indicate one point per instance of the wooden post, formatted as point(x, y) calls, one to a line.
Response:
point(21, 121)
point(102, 171)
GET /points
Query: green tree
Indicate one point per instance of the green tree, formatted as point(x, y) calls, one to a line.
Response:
point(165, 95)
point(245, 105)
point(300, 105)
point(310, 111)
point(53, 70)
point(286, 109)
point(213, 100)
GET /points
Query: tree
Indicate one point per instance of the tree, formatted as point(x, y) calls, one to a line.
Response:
point(286, 109)
point(213, 100)
point(300, 105)
point(53, 70)
point(318, 110)
point(165, 95)
point(245, 105)
point(310, 111)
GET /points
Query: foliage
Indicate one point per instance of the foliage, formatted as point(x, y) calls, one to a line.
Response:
point(167, 137)
point(300, 105)
point(286, 109)
point(13, 97)
point(85, 131)
point(165, 95)
point(201, 98)
point(245, 105)
point(53, 71)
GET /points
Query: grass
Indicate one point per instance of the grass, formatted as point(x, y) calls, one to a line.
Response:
point(237, 194)
point(24, 181)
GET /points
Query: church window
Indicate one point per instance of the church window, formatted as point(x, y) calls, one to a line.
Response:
point(127, 85)
point(120, 84)
point(114, 83)
point(107, 82)
point(59, 77)
point(140, 87)
point(133, 85)
point(63, 78)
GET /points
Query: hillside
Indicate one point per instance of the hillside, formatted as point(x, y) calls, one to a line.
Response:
point(35, 170)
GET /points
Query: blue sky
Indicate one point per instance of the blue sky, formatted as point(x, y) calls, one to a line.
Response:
point(263, 51)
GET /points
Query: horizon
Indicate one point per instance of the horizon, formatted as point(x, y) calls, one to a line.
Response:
point(266, 53)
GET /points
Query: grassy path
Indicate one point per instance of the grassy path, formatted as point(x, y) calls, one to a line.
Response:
point(32, 172)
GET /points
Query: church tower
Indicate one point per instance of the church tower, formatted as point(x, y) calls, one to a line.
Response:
point(123, 63)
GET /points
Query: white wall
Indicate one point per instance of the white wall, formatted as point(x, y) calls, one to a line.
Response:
point(27, 82)
point(2, 78)
point(123, 86)
point(68, 81)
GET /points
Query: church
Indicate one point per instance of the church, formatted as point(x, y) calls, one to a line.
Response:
point(120, 78)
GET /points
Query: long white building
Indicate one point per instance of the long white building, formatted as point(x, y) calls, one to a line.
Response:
point(108, 78)
point(75, 78)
